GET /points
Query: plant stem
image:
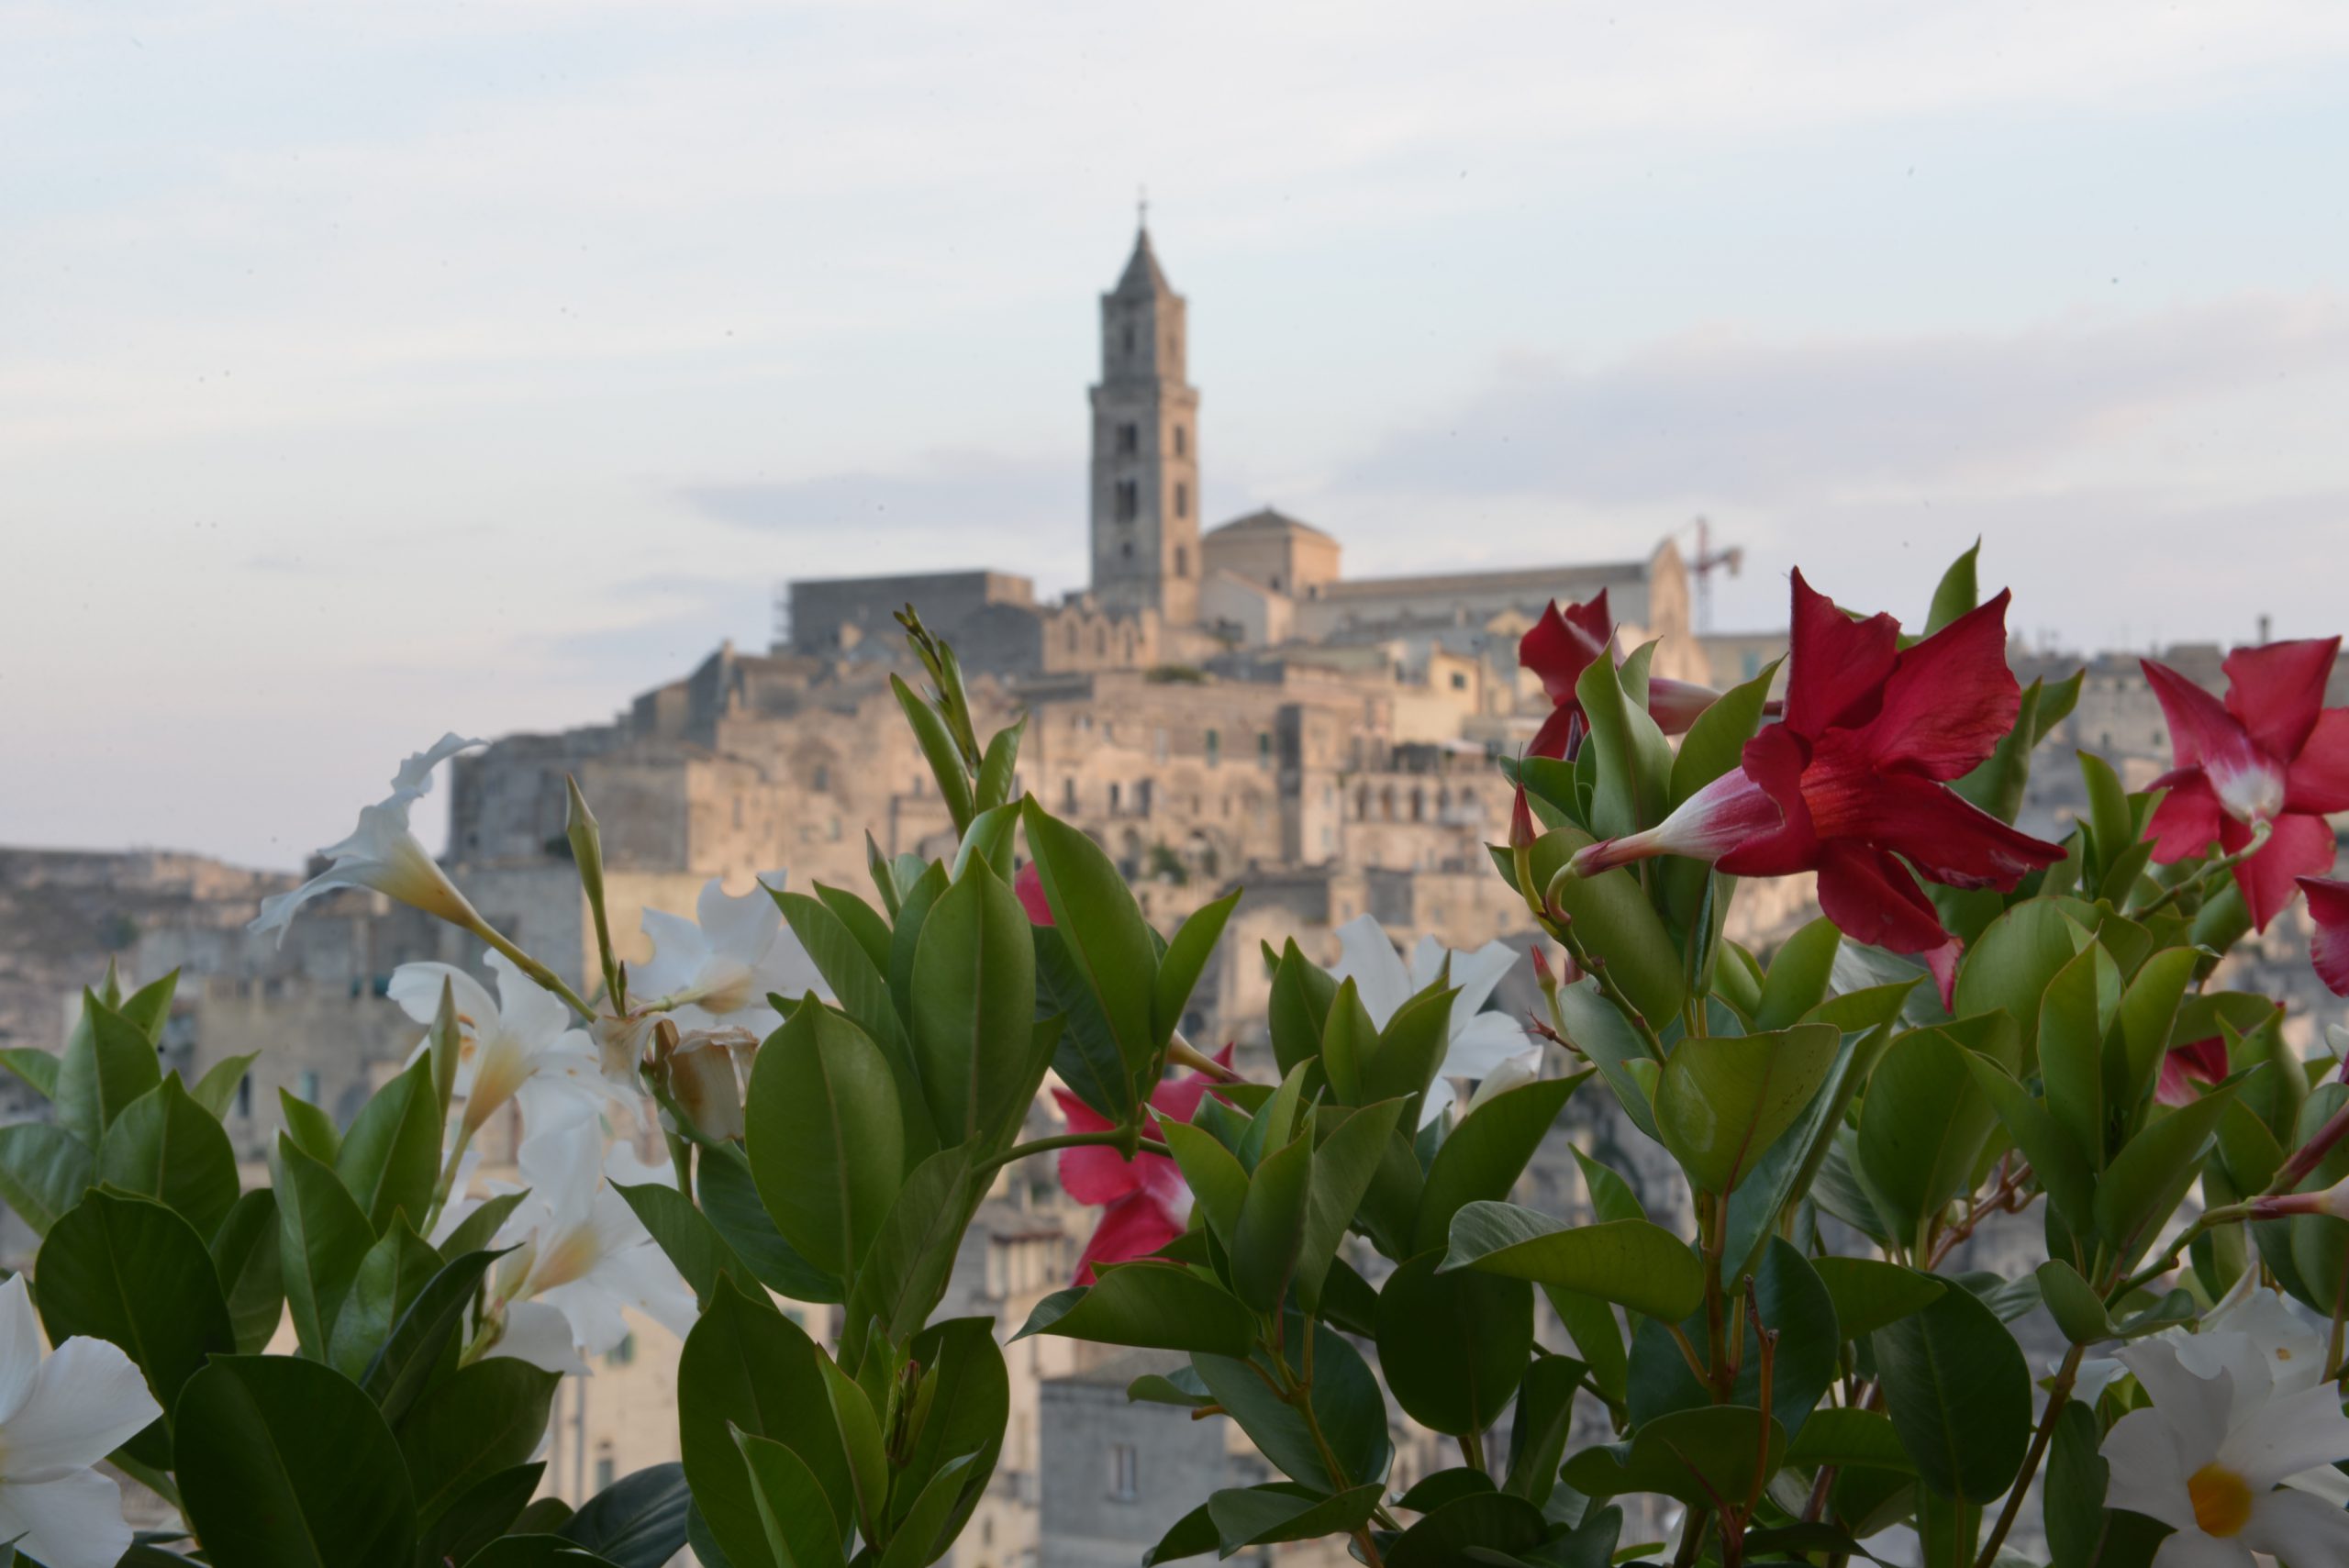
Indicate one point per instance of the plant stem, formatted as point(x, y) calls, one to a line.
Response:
point(547, 978)
point(2058, 1396)
point(2208, 1220)
point(2224, 863)
point(1472, 1450)
point(681, 1157)
point(1114, 1136)
point(1563, 930)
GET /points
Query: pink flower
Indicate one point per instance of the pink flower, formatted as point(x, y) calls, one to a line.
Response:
point(2328, 948)
point(1029, 886)
point(2190, 1069)
point(1144, 1202)
point(1560, 646)
point(2271, 753)
point(1855, 782)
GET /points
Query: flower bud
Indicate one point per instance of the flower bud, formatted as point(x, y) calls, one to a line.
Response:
point(2334, 1201)
point(691, 1075)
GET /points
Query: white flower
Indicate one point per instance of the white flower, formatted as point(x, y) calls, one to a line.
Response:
point(1480, 1041)
point(2212, 1457)
point(383, 854)
point(582, 1254)
point(59, 1416)
point(519, 1046)
point(718, 971)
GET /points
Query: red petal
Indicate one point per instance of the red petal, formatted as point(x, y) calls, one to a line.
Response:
point(1775, 760)
point(1947, 837)
point(2318, 780)
point(2203, 1062)
point(2300, 846)
point(2200, 728)
point(1951, 699)
point(1094, 1173)
point(1082, 1118)
point(1839, 664)
point(1561, 733)
point(1177, 1099)
point(2187, 820)
point(1559, 648)
point(1677, 705)
point(2328, 948)
point(1134, 1228)
point(2276, 691)
point(1873, 898)
point(1029, 884)
point(1942, 962)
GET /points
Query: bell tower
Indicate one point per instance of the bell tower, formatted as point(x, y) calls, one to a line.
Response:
point(1145, 448)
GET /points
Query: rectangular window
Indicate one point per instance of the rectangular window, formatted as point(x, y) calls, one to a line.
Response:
point(1215, 747)
point(1116, 792)
point(1125, 1472)
point(1068, 792)
point(1264, 748)
point(1182, 500)
point(307, 1087)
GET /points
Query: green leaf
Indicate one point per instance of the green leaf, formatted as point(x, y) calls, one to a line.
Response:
point(1869, 1293)
point(1598, 1338)
point(1454, 1346)
point(1298, 1012)
point(1634, 761)
point(906, 1273)
point(534, 1551)
point(870, 930)
point(1186, 955)
point(2148, 1009)
point(1955, 594)
point(1271, 1224)
point(1217, 1181)
point(285, 1464)
point(109, 1063)
point(468, 1525)
point(244, 1254)
point(131, 1273)
point(38, 1068)
point(1693, 1455)
point(1614, 919)
point(1409, 1050)
point(859, 978)
point(1958, 1391)
point(931, 1524)
point(1282, 1511)
point(1096, 919)
point(1600, 1033)
point(475, 1423)
point(1152, 1305)
point(826, 1147)
point(2058, 1166)
point(391, 1157)
point(1794, 1303)
point(322, 1235)
point(729, 1201)
point(968, 1389)
point(2074, 1018)
point(1545, 1409)
point(2010, 964)
point(859, 1432)
point(748, 1368)
point(1850, 1438)
point(2077, 1309)
point(1921, 1127)
point(686, 1235)
point(1716, 742)
point(1492, 1522)
point(639, 1521)
point(1723, 1100)
point(390, 1277)
point(2169, 1148)
point(310, 1128)
point(1630, 1261)
point(1346, 1404)
point(1345, 1162)
point(1487, 1152)
point(999, 765)
point(217, 1090)
point(44, 1171)
point(1088, 1059)
point(792, 1512)
point(1783, 1176)
point(480, 1227)
point(938, 746)
point(975, 1004)
point(1798, 979)
point(421, 1334)
point(164, 1146)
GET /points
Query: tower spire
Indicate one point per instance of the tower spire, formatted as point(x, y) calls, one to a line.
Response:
point(1142, 208)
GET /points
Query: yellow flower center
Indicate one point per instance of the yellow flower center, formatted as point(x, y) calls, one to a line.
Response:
point(2222, 1500)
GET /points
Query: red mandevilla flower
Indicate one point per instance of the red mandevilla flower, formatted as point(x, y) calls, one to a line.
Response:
point(2272, 753)
point(2188, 1069)
point(2328, 948)
point(1853, 783)
point(1560, 646)
point(1144, 1202)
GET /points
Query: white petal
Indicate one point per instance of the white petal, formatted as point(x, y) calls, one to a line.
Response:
point(417, 988)
point(2285, 1436)
point(1477, 972)
point(742, 929)
point(415, 777)
point(2199, 1409)
point(278, 910)
point(88, 1400)
point(2288, 1345)
point(530, 1012)
point(1427, 965)
point(679, 950)
point(540, 1335)
point(20, 1348)
point(72, 1521)
point(2323, 1482)
point(2190, 1548)
point(622, 1166)
point(2149, 1469)
point(1440, 1096)
point(2097, 1374)
point(787, 970)
point(1369, 959)
point(594, 1314)
point(1483, 1043)
point(642, 1276)
point(2297, 1527)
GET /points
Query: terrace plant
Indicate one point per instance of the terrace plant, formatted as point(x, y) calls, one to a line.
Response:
point(1982, 1025)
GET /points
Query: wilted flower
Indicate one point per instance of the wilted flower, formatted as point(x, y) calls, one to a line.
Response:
point(1480, 1040)
point(60, 1415)
point(694, 1075)
point(1560, 645)
point(580, 1253)
point(2329, 946)
point(714, 971)
point(1855, 782)
point(2272, 755)
point(520, 1046)
point(383, 854)
point(1144, 1201)
point(2237, 1424)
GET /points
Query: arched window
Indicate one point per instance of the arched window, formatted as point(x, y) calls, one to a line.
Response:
point(1182, 499)
point(1182, 441)
point(1129, 439)
point(1182, 561)
point(1129, 500)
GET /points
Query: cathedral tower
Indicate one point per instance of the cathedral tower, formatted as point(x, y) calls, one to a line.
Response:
point(1145, 450)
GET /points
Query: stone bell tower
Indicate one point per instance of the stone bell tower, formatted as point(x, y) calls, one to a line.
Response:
point(1145, 450)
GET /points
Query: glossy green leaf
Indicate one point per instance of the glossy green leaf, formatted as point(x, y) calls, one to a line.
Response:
point(1723, 1100)
point(322, 1235)
point(1783, 1176)
point(310, 1128)
point(477, 1422)
point(1794, 1303)
point(2148, 1009)
point(109, 1061)
point(1346, 1403)
point(244, 1254)
point(1600, 1033)
point(391, 1276)
point(1492, 1522)
point(1957, 594)
point(421, 1335)
point(729, 1201)
point(2162, 1156)
point(2009, 966)
point(1634, 762)
point(217, 1090)
point(639, 1521)
point(164, 1146)
point(1345, 1162)
point(794, 1515)
point(1869, 1293)
point(685, 1234)
point(1271, 1224)
point(1852, 1437)
point(1545, 1419)
point(1486, 1155)
point(391, 1157)
point(1096, 919)
point(1797, 978)
point(745, 1368)
point(906, 1273)
point(968, 1390)
point(2075, 1016)
point(859, 978)
point(858, 1429)
point(1692, 1455)
point(1152, 1304)
point(1921, 1127)
point(468, 1524)
point(1958, 1391)
point(2075, 1305)
point(1283, 1510)
point(1614, 920)
point(973, 1006)
point(1630, 1261)
point(36, 1067)
point(825, 1144)
point(44, 1171)
point(1454, 1346)
point(1187, 956)
point(285, 1464)
point(1716, 742)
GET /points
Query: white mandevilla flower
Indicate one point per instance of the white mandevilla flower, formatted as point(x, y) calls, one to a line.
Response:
point(581, 1255)
point(519, 1046)
point(383, 854)
point(716, 972)
point(1480, 1041)
point(2236, 1460)
point(60, 1415)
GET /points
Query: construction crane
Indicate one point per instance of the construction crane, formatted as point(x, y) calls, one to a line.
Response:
point(1707, 561)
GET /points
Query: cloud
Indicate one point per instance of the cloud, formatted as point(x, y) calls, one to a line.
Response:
point(1733, 413)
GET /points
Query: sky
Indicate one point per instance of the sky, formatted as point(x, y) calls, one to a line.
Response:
point(372, 371)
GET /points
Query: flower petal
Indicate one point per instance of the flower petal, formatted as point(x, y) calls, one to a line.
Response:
point(2318, 779)
point(1481, 1044)
point(1950, 699)
point(74, 1520)
point(2284, 1436)
point(2148, 1471)
point(2188, 1070)
point(2329, 946)
point(1093, 1173)
point(88, 1400)
point(2297, 847)
point(1134, 1228)
point(1476, 973)
point(1838, 665)
point(2276, 691)
point(20, 1348)
point(1560, 734)
point(540, 1334)
point(679, 950)
point(533, 1014)
point(2189, 817)
point(740, 927)
point(1947, 837)
point(2190, 1548)
point(2203, 733)
point(1559, 646)
point(1029, 886)
point(416, 987)
point(1873, 898)
point(1370, 961)
point(2297, 1527)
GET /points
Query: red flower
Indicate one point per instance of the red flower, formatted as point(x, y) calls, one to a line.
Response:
point(2272, 753)
point(2190, 1069)
point(1145, 1202)
point(2328, 948)
point(1560, 646)
point(1028, 885)
point(1853, 783)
